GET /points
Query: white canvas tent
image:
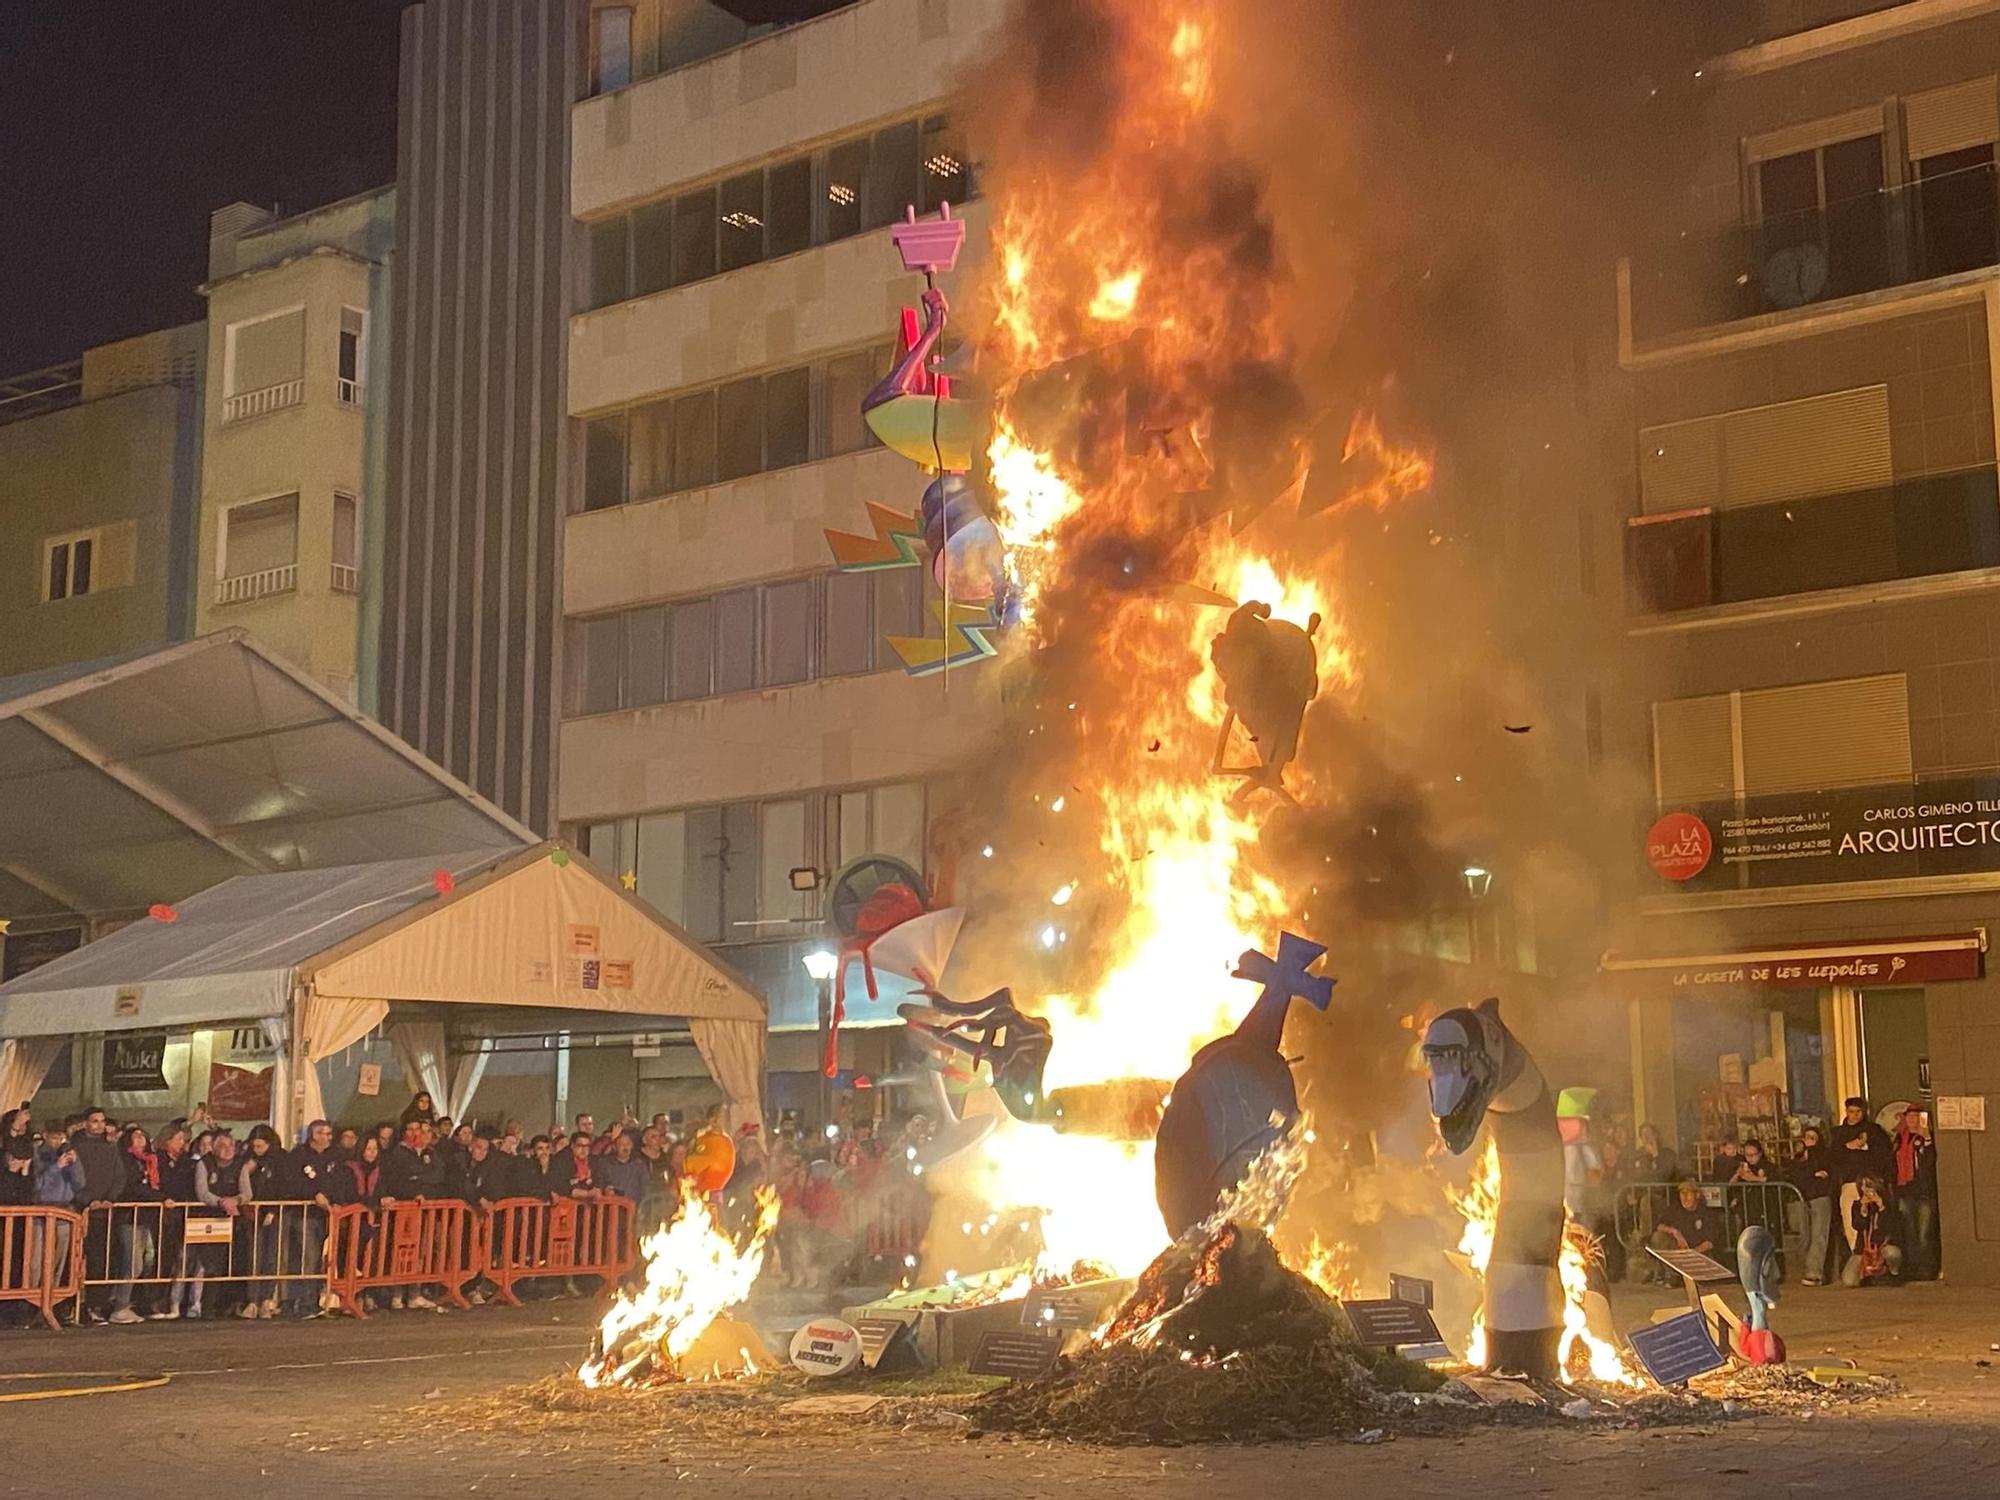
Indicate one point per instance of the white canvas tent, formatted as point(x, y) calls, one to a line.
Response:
point(316, 957)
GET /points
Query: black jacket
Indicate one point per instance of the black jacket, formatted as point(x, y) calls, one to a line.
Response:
point(1815, 1173)
point(177, 1178)
point(411, 1174)
point(322, 1172)
point(545, 1183)
point(473, 1180)
point(1877, 1160)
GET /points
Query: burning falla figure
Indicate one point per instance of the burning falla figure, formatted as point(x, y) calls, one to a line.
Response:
point(1270, 672)
point(1479, 1069)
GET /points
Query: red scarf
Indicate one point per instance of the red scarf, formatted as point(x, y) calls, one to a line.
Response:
point(152, 1165)
point(1906, 1155)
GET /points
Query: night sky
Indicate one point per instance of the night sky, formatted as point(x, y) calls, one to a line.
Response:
point(127, 121)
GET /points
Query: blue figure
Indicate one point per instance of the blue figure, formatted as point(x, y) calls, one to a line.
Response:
point(1757, 1269)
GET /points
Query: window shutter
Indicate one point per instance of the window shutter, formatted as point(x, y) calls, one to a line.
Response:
point(1952, 119)
point(1793, 139)
point(1694, 752)
point(1819, 735)
point(116, 562)
point(1793, 450)
point(269, 352)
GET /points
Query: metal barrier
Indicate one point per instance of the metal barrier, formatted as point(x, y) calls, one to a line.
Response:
point(527, 1238)
point(1778, 1205)
point(422, 1242)
point(895, 1229)
point(189, 1248)
point(41, 1258)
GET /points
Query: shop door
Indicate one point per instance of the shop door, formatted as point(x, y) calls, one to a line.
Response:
point(1895, 1040)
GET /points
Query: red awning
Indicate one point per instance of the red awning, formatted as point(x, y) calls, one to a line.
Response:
point(1810, 966)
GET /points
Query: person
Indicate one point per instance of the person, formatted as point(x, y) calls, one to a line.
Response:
point(266, 1179)
point(581, 1181)
point(103, 1178)
point(1916, 1190)
point(1722, 1167)
point(1813, 1175)
point(317, 1172)
point(177, 1190)
point(218, 1179)
point(364, 1171)
point(544, 1176)
point(419, 1108)
point(1747, 1182)
point(475, 1178)
point(135, 1227)
point(347, 1141)
point(386, 1133)
point(412, 1171)
point(1877, 1251)
point(1860, 1149)
point(1690, 1224)
point(623, 1172)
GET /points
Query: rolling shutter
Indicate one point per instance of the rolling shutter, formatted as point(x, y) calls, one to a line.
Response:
point(269, 352)
point(1694, 751)
point(1854, 732)
point(1952, 119)
point(1813, 134)
point(1793, 450)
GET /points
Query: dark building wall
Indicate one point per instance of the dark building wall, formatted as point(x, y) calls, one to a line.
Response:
point(472, 534)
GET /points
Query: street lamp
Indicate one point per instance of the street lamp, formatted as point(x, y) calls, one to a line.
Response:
point(822, 964)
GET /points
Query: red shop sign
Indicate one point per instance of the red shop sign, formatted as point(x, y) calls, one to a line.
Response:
point(1679, 846)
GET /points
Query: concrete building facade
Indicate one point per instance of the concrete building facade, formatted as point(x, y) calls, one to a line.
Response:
point(293, 432)
point(1811, 548)
point(730, 714)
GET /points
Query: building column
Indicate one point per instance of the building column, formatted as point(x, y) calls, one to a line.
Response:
point(1840, 1021)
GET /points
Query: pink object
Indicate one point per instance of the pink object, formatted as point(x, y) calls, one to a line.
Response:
point(929, 245)
point(443, 882)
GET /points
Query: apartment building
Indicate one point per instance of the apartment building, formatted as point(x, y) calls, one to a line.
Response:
point(292, 453)
point(101, 457)
point(733, 725)
point(1811, 541)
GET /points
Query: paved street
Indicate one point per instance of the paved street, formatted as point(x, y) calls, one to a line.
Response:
point(327, 1406)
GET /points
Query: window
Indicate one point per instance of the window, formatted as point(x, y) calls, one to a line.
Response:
point(610, 48)
point(650, 460)
point(694, 440)
point(787, 418)
point(739, 442)
point(604, 462)
point(263, 364)
point(610, 252)
point(694, 236)
point(645, 657)
point(787, 632)
point(947, 178)
point(846, 183)
point(693, 672)
point(1822, 445)
point(67, 575)
point(736, 641)
point(879, 820)
point(350, 361)
point(652, 248)
point(742, 219)
point(346, 544)
point(89, 562)
point(260, 549)
point(600, 663)
point(849, 379)
point(895, 173)
point(1823, 215)
point(781, 849)
point(1815, 736)
point(788, 207)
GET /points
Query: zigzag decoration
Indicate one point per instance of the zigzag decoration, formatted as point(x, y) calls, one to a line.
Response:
point(897, 543)
point(924, 654)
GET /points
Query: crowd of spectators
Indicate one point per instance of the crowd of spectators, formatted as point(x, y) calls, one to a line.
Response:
point(139, 1190)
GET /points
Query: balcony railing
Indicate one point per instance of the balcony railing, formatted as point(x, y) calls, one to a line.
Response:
point(1945, 223)
point(346, 579)
point(346, 391)
point(1919, 528)
point(243, 587)
point(246, 404)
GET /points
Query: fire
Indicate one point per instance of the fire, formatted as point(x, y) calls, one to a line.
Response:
point(1600, 1358)
point(1116, 297)
point(695, 1271)
point(1332, 1269)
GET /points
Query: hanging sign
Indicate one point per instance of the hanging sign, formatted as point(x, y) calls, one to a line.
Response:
point(370, 1081)
point(135, 1061)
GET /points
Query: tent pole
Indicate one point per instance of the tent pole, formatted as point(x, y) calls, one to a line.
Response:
point(295, 1078)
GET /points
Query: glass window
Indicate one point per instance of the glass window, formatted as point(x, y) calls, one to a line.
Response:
point(735, 641)
point(850, 628)
point(58, 572)
point(857, 835)
point(702, 884)
point(694, 440)
point(662, 867)
point(694, 236)
point(610, 846)
point(604, 462)
point(849, 379)
point(652, 247)
point(346, 531)
point(895, 174)
point(610, 250)
point(650, 437)
point(899, 610)
point(80, 556)
point(899, 822)
point(788, 207)
point(739, 429)
point(600, 665)
point(947, 177)
point(693, 672)
point(1958, 209)
point(788, 620)
point(846, 181)
point(347, 368)
point(739, 872)
point(781, 849)
point(742, 221)
point(610, 48)
point(787, 418)
point(645, 657)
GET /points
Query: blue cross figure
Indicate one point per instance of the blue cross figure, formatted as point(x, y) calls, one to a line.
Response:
point(1283, 978)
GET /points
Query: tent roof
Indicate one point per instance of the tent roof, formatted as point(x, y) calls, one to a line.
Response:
point(150, 777)
point(503, 935)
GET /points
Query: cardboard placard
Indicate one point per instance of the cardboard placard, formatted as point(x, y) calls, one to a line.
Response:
point(580, 940)
point(1412, 1289)
point(1018, 1356)
point(618, 973)
point(1692, 1265)
point(1677, 1350)
point(1961, 1112)
point(1391, 1324)
point(370, 1081)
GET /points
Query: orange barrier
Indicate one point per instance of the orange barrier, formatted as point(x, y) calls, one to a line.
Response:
point(896, 1228)
point(424, 1242)
point(41, 1257)
point(526, 1238)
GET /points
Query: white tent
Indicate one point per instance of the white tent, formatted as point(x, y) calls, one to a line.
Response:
point(317, 956)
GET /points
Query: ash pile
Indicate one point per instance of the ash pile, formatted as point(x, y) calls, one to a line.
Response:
point(1219, 1342)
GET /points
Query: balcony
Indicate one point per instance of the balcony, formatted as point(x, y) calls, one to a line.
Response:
point(243, 587)
point(347, 392)
point(1942, 225)
point(1918, 528)
point(346, 578)
point(246, 404)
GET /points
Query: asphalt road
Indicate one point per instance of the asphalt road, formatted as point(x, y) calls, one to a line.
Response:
point(328, 1407)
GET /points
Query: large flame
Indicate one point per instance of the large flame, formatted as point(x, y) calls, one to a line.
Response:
point(695, 1271)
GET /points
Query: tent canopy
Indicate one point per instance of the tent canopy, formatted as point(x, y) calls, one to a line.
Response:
point(327, 950)
point(147, 778)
